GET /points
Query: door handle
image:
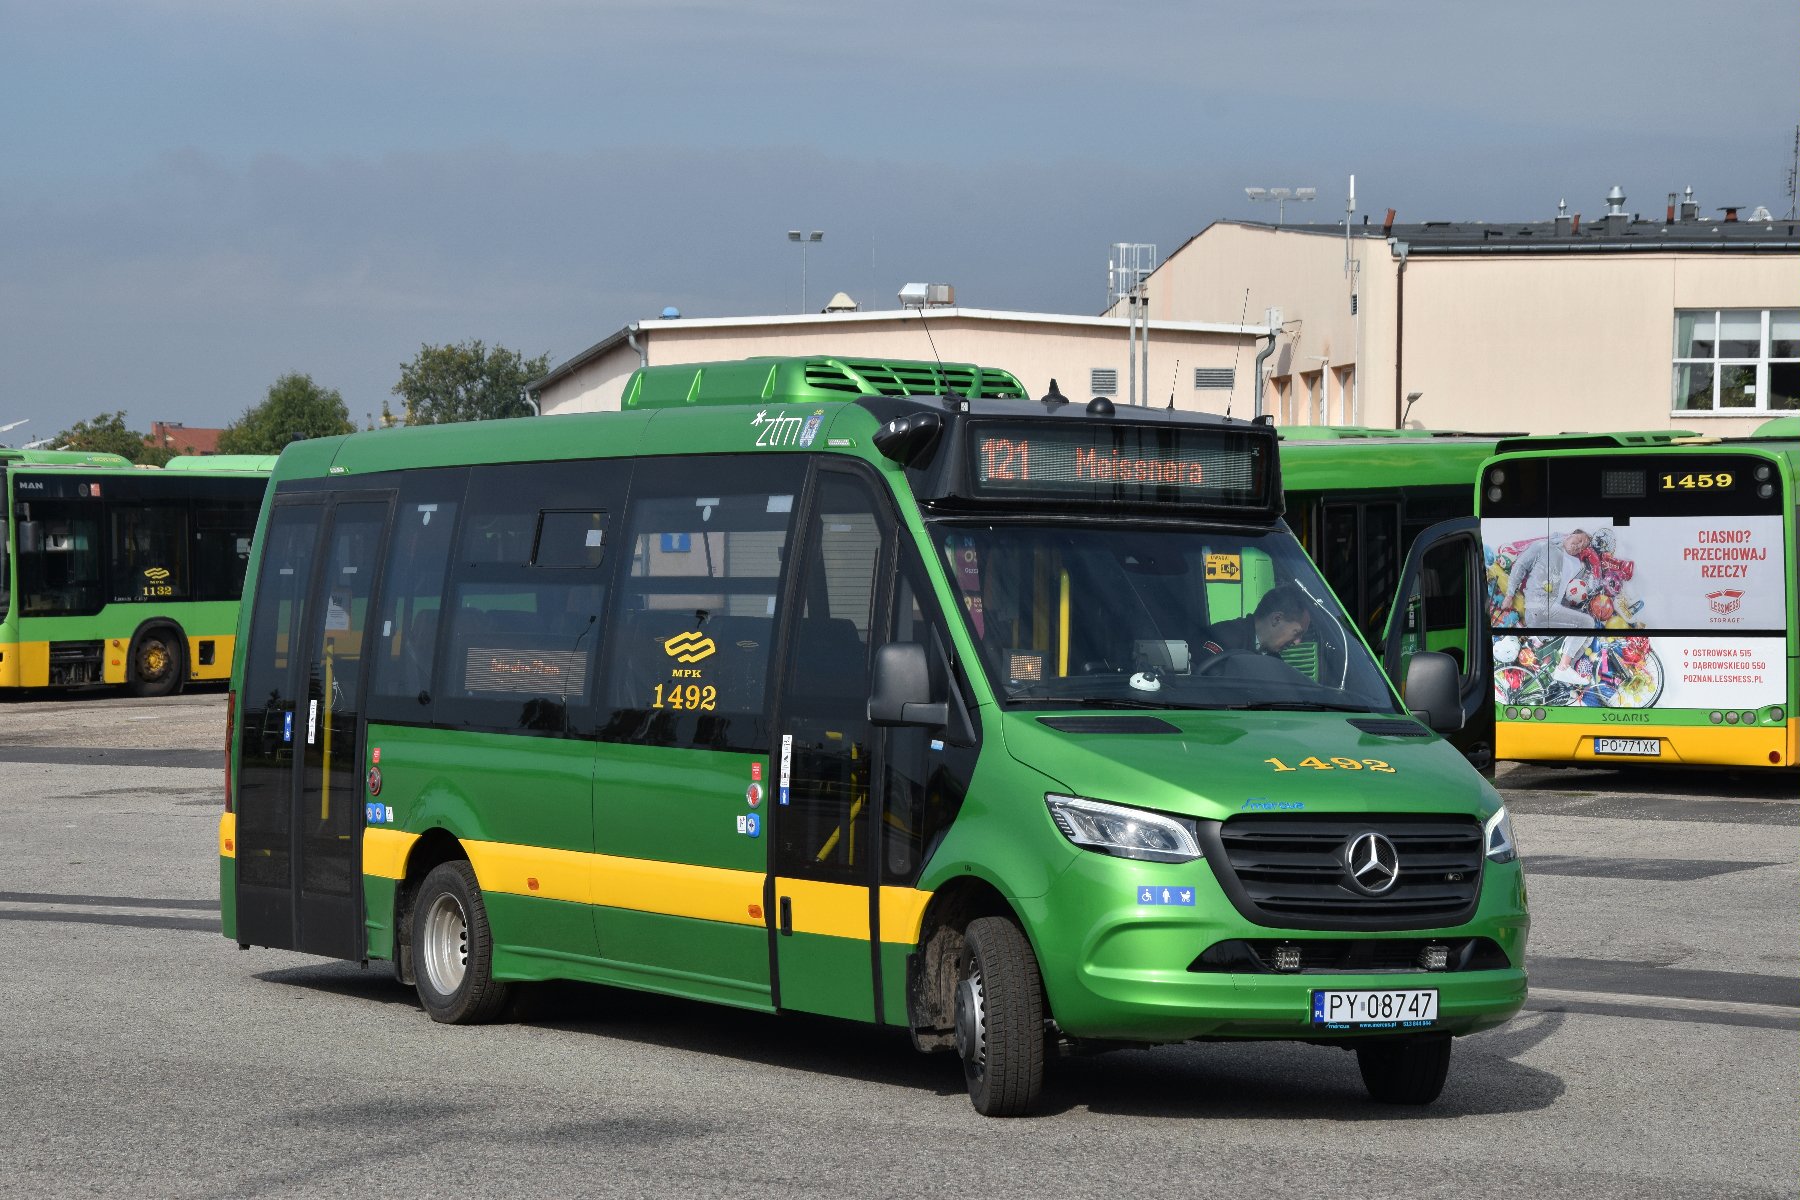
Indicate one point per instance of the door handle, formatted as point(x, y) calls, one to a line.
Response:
point(784, 921)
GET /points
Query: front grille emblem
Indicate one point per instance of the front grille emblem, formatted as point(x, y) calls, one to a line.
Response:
point(1372, 863)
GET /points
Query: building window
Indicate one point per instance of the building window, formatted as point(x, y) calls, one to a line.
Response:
point(1737, 360)
point(1104, 381)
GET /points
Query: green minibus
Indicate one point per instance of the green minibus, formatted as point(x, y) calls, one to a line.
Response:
point(874, 690)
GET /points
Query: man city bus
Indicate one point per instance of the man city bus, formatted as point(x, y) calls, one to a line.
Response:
point(867, 689)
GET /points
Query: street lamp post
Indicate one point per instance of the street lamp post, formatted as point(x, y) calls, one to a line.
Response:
point(1281, 196)
point(805, 240)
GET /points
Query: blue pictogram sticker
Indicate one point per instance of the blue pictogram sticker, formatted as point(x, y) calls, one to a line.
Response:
point(287, 726)
point(784, 795)
point(1182, 897)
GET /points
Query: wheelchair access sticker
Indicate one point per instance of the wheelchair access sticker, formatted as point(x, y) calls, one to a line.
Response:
point(1180, 896)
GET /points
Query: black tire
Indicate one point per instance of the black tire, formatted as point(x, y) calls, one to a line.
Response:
point(1408, 1070)
point(156, 665)
point(1000, 1018)
point(453, 949)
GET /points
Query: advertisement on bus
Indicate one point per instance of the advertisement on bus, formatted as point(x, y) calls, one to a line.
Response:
point(1660, 612)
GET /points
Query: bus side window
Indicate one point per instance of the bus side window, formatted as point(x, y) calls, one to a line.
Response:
point(928, 770)
point(692, 627)
point(520, 629)
point(418, 559)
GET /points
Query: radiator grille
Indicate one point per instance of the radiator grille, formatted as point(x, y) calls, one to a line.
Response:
point(1288, 871)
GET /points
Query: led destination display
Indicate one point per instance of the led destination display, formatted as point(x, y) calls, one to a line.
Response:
point(1123, 463)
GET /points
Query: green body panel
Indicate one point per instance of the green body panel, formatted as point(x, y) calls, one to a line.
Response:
point(378, 915)
point(826, 975)
point(536, 938)
point(488, 787)
point(895, 958)
point(683, 956)
point(673, 804)
point(1334, 467)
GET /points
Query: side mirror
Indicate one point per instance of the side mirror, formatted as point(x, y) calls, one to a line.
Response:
point(1433, 691)
point(900, 688)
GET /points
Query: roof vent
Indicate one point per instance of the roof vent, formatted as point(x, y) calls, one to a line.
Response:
point(671, 313)
point(1616, 216)
point(840, 303)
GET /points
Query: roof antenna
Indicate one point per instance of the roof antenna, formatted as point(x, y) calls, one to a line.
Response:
point(956, 401)
point(1237, 351)
point(1173, 380)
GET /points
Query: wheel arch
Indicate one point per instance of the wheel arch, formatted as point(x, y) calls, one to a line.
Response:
point(435, 847)
point(931, 968)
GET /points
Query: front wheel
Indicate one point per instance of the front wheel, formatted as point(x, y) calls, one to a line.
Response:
point(1000, 1018)
point(453, 949)
point(1408, 1070)
point(155, 665)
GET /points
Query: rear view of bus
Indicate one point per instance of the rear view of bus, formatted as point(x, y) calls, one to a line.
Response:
point(1641, 597)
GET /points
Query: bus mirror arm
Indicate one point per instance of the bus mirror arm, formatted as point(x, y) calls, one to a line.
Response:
point(1433, 692)
point(900, 688)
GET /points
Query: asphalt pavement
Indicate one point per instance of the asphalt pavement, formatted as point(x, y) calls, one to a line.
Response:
point(141, 1054)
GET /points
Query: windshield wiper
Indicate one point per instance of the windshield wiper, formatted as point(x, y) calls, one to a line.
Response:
point(1298, 706)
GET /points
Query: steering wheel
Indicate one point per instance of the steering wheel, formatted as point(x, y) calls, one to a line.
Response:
point(1224, 656)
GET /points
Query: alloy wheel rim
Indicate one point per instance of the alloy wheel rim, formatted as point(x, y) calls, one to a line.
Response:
point(446, 945)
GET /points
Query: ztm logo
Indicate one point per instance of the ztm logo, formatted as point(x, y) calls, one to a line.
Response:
point(689, 647)
point(1727, 601)
point(157, 574)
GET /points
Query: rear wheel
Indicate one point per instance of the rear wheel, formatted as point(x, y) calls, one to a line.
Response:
point(1408, 1070)
point(155, 666)
point(1000, 1018)
point(453, 949)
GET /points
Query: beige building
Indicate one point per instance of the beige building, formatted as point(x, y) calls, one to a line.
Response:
point(1609, 324)
point(1195, 364)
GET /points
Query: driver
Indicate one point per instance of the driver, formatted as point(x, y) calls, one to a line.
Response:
point(1282, 618)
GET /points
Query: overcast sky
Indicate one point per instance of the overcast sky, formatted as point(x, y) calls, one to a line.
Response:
point(198, 196)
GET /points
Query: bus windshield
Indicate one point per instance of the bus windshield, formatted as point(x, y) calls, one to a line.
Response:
point(1155, 616)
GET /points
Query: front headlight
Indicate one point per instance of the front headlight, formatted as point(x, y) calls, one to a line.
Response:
point(1500, 845)
point(1124, 832)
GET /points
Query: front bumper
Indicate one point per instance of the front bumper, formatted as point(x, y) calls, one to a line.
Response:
point(1118, 969)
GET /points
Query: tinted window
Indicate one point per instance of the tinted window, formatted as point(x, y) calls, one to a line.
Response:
point(149, 552)
point(222, 533)
point(59, 557)
point(406, 638)
point(695, 619)
point(527, 590)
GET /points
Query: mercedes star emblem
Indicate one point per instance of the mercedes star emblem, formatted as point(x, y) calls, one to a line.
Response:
point(1373, 863)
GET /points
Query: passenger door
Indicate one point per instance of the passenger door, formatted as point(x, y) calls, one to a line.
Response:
point(824, 860)
point(299, 799)
point(1440, 606)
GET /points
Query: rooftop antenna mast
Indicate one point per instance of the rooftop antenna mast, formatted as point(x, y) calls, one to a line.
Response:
point(1127, 272)
point(1794, 174)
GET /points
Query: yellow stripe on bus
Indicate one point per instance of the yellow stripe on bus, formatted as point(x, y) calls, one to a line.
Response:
point(1725, 745)
point(228, 835)
point(532, 871)
point(670, 889)
point(385, 851)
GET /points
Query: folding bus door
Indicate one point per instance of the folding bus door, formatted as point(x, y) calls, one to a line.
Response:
point(824, 856)
point(299, 797)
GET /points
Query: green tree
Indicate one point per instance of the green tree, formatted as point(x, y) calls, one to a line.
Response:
point(466, 382)
point(295, 407)
point(107, 433)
